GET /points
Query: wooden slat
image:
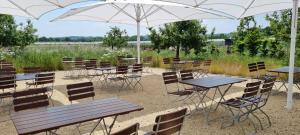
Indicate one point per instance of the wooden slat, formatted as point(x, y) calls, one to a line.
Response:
point(30, 92)
point(80, 90)
point(85, 84)
point(32, 105)
point(29, 99)
point(81, 96)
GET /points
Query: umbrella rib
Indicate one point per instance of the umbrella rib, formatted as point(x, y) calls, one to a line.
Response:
point(145, 14)
point(54, 3)
point(163, 9)
point(117, 13)
point(151, 13)
point(22, 9)
point(248, 6)
point(118, 8)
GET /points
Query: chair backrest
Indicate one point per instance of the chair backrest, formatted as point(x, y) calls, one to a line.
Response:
point(186, 74)
point(8, 71)
point(176, 60)
point(67, 59)
point(268, 85)
point(90, 65)
point(261, 65)
point(170, 77)
point(122, 70)
point(5, 64)
point(31, 69)
point(196, 63)
point(131, 130)
point(80, 91)
point(103, 64)
point(78, 62)
point(170, 123)
point(251, 89)
point(166, 61)
point(207, 63)
point(30, 99)
point(252, 67)
point(137, 68)
point(44, 78)
point(147, 59)
point(8, 82)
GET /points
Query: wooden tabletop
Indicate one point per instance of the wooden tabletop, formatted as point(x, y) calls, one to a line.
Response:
point(213, 81)
point(55, 117)
point(284, 70)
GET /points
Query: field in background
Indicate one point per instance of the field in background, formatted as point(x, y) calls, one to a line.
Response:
point(50, 57)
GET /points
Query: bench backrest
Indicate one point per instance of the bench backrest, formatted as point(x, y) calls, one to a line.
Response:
point(80, 91)
point(168, 124)
point(30, 99)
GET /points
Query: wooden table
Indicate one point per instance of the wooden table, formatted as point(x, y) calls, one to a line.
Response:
point(45, 120)
point(210, 83)
point(284, 70)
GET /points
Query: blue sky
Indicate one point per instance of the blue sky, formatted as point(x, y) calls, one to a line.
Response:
point(61, 28)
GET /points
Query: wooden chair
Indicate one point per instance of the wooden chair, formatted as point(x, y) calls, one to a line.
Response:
point(131, 130)
point(135, 76)
point(241, 107)
point(147, 62)
point(8, 71)
point(252, 67)
point(206, 67)
point(103, 64)
point(78, 66)
point(8, 86)
point(90, 67)
point(5, 64)
point(30, 99)
point(169, 124)
point(80, 91)
point(197, 69)
point(67, 65)
point(173, 88)
point(167, 63)
point(120, 76)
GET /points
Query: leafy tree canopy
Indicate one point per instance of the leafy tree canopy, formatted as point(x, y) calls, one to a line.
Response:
point(12, 34)
point(115, 38)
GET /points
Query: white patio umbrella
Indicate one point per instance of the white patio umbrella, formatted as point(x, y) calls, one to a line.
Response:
point(33, 8)
point(243, 8)
point(137, 12)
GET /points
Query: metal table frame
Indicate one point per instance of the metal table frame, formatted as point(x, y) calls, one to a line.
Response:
point(214, 82)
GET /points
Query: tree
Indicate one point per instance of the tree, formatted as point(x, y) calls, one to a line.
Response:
point(155, 38)
point(115, 38)
point(185, 34)
point(12, 34)
point(248, 36)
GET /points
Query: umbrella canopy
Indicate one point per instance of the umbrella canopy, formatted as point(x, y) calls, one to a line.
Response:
point(138, 12)
point(243, 8)
point(33, 8)
point(238, 8)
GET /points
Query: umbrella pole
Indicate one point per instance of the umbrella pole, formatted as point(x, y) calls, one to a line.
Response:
point(138, 44)
point(292, 55)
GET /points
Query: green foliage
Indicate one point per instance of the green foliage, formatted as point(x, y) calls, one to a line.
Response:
point(186, 35)
point(115, 38)
point(12, 34)
point(156, 39)
point(248, 37)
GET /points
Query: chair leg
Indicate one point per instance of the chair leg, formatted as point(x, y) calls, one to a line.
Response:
point(268, 118)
